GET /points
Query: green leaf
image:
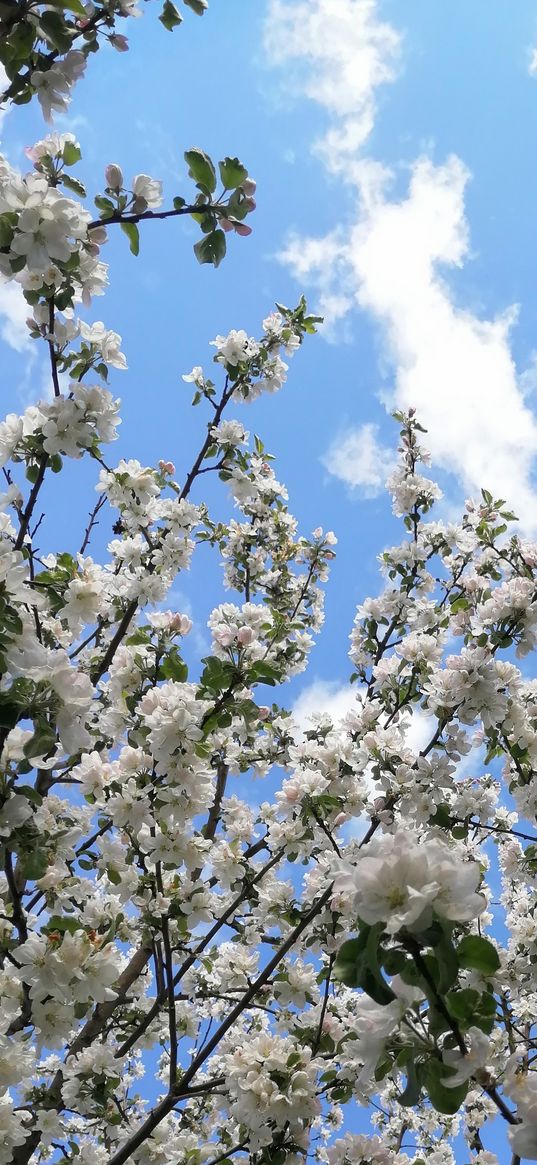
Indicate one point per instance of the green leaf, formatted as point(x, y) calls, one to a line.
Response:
point(462, 1004)
point(448, 963)
point(55, 31)
point(42, 741)
point(393, 961)
point(170, 17)
point(18, 46)
point(173, 668)
point(64, 923)
point(412, 1091)
point(478, 954)
point(71, 153)
point(264, 673)
point(211, 249)
point(357, 965)
point(6, 229)
point(232, 173)
point(74, 185)
point(201, 169)
point(9, 712)
point(131, 231)
point(71, 6)
point(444, 1099)
point(34, 864)
point(17, 262)
point(381, 993)
point(105, 205)
point(31, 793)
point(438, 1023)
point(217, 675)
point(197, 6)
point(348, 960)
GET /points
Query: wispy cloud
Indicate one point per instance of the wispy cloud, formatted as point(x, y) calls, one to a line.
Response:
point(391, 258)
point(335, 699)
point(360, 460)
point(327, 697)
point(14, 312)
point(340, 54)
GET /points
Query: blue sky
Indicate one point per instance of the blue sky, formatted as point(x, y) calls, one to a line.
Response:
point(427, 276)
point(442, 96)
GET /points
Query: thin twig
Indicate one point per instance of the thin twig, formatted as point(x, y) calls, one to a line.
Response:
point(92, 522)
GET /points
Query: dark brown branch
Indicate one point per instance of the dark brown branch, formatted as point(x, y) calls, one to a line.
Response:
point(324, 1006)
point(52, 353)
point(19, 917)
point(92, 522)
point(110, 652)
point(501, 1105)
point(26, 515)
point(130, 611)
point(191, 959)
point(228, 1153)
point(143, 216)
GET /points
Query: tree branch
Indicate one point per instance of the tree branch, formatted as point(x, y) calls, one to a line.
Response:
point(168, 1103)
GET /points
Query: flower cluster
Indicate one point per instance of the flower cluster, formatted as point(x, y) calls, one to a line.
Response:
point(258, 958)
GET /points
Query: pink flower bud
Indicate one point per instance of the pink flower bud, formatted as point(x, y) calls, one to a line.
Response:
point(166, 466)
point(241, 229)
point(181, 623)
point(98, 236)
point(114, 176)
point(263, 712)
point(226, 224)
point(119, 42)
point(249, 187)
point(245, 636)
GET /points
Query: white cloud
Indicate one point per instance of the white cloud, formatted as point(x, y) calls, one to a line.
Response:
point(14, 312)
point(532, 66)
point(334, 699)
point(392, 259)
point(456, 369)
point(358, 459)
point(13, 307)
point(340, 53)
point(324, 696)
point(323, 262)
point(177, 600)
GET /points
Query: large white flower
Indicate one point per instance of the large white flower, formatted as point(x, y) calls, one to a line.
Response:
point(401, 879)
point(147, 192)
point(467, 1065)
point(235, 347)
